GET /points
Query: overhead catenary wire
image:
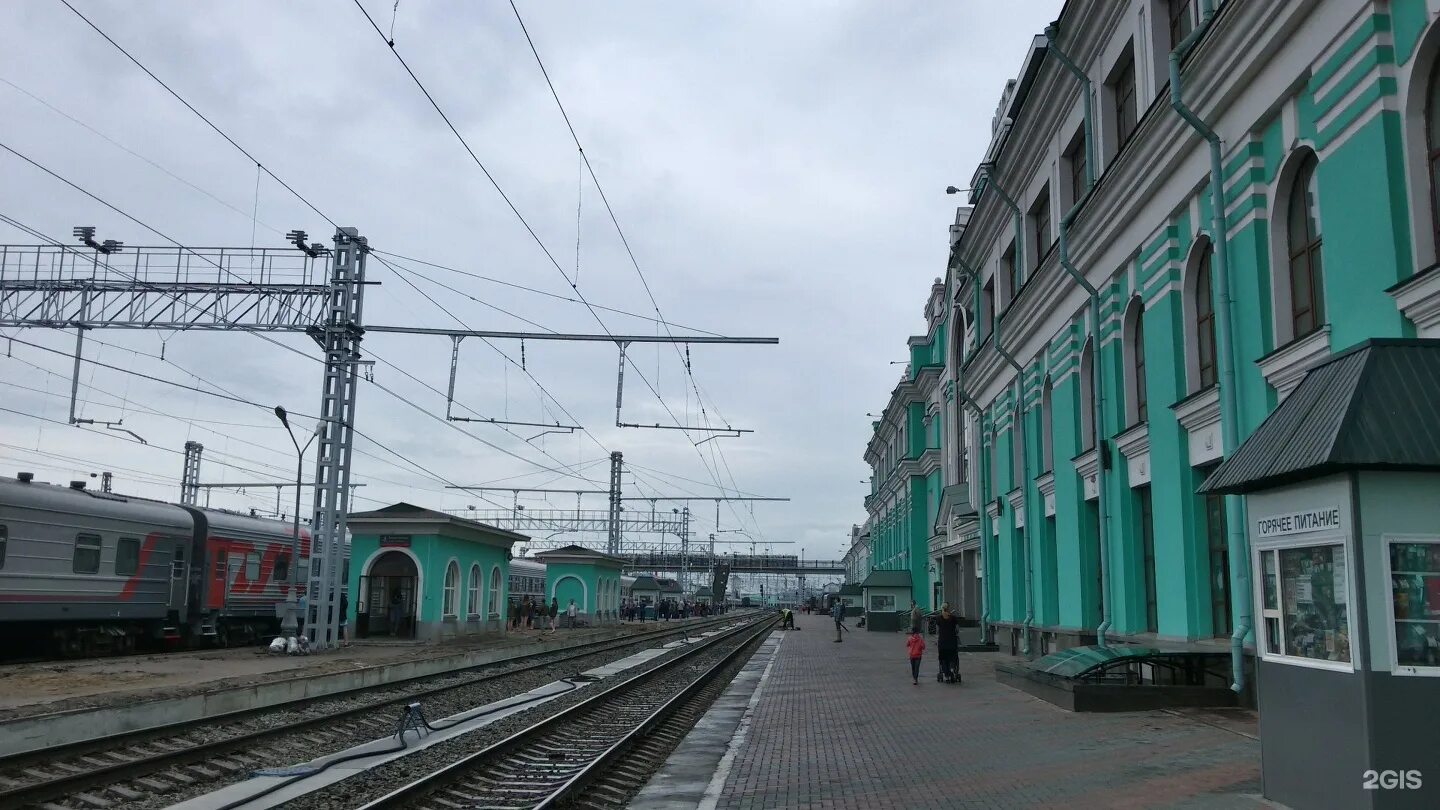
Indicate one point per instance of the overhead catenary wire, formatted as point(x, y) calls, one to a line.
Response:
point(524, 222)
point(288, 187)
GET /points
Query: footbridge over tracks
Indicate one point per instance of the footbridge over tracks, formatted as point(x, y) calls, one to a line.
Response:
point(739, 563)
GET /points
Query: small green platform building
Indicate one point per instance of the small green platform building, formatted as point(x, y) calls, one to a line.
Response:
point(590, 577)
point(427, 575)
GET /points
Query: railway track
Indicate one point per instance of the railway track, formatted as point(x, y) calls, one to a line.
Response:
point(596, 753)
point(136, 767)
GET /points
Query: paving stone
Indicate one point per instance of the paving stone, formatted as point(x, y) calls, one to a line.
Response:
point(841, 726)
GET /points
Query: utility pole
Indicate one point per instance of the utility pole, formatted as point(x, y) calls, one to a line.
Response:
point(684, 549)
point(612, 545)
point(189, 492)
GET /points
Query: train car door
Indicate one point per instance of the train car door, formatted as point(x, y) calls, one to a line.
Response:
point(180, 578)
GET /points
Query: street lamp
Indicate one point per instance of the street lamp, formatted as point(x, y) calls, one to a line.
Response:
point(954, 190)
point(291, 623)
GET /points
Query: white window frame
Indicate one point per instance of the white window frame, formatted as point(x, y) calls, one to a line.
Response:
point(1261, 613)
point(1396, 667)
point(450, 590)
point(493, 605)
point(473, 592)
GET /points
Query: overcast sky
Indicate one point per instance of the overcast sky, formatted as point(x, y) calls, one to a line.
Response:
point(778, 169)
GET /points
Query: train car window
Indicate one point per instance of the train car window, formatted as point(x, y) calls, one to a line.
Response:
point(177, 565)
point(127, 557)
point(282, 568)
point(87, 554)
point(4, 541)
point(252, 567)
point(220, 564)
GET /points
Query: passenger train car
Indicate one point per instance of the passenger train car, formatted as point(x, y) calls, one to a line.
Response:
point(84, 572)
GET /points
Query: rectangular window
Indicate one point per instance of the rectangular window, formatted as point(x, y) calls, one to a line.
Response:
point(127, 557)
point(987, 310)
point(1075, 163)
point(177, 565)
point(1180, 22)
point(4, 541)
point(87, 554)
point(1147, 535)
point(252, 567)
point(1010, 273)
point(282, 568)
point(1040, 226)
point(1122, 90)
point(1415, 598)
point(220, 565)
point(1306, 602)
point(882, 602)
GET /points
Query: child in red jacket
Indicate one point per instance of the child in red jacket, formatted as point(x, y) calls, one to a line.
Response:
point(916, 645)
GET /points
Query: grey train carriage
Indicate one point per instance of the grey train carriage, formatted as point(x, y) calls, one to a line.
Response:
point(85, 572)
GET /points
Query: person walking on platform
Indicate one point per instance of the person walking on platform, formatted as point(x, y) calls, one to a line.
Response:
point(915, 646)
point(915, 617)
point(837, 612)
point(571, 612)
point(554, 611)
point(947, 643)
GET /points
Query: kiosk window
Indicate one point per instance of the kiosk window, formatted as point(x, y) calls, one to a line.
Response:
point(1305, 606)
point(882, 602)
point(1415, 596)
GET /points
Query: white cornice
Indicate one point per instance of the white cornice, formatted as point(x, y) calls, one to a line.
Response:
point(1087, 464)
point(1134, 445)
point(1199, 409)
point(1285, 367)
point(1045, 485)
point(1016, 498)
point(1419, 300)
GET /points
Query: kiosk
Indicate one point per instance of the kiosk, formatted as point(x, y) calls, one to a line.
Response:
point(1342, 497)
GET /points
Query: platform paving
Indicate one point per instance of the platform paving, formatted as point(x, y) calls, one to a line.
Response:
point(841, 726)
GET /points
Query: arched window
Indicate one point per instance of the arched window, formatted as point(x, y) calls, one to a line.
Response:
point(1307, 295)
point(452, 584)
point(1137, 405)
point(1087, 396)
point(1432, 148)
point(1204, 309)
point(494, 608)
point(1017, 447)
point(472, 596)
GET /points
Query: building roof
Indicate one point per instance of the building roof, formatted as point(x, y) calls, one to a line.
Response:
point(669, 585)
point(644, 583)
point(704, 590)
point(850, 589)
point(1369, 408)
point(403, 513)
point(577, 553)
point(887, 579)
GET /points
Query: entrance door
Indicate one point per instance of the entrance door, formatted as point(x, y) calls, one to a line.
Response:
point(389, 588)
point(179, 578)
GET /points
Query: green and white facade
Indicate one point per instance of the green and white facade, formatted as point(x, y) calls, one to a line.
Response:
point(904, 454)
point(1330, 176)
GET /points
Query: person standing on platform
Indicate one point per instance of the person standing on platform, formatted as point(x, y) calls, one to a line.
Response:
point(947, 643)
point(554, 611)
point(526, 610)
point(915, 645)
point(571, 612)
point(915, 617)
point(837, 612)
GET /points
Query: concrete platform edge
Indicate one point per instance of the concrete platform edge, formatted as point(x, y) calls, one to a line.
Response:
point(42, 731)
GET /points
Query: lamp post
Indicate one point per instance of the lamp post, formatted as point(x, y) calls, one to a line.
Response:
point(291, 623)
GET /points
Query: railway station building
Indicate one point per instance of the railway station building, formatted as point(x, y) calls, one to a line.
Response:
point(591, 578)
point(423, 574)
point(1133, 285)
